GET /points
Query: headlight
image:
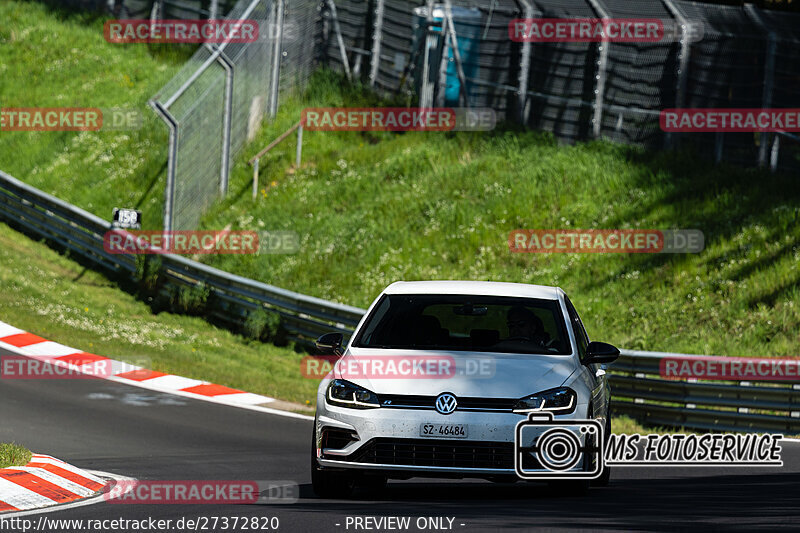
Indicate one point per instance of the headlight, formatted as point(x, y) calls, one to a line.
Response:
point(346, 394)
point(557, 401)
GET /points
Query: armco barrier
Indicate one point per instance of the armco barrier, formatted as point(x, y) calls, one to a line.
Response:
point(638, 389)
point(305, 317)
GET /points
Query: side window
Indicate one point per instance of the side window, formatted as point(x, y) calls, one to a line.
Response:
point(580, 332)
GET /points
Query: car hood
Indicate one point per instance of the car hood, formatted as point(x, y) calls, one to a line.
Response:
point(477, 374)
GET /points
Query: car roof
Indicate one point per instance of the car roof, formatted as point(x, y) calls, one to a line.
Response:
point(487, 288)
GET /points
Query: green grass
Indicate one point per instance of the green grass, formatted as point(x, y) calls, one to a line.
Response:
point(51, 57)
point(374, 208)
point(13, 455)
point(57, 298)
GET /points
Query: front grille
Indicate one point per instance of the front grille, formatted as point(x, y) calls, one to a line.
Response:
point(428, 402)
point(446, 453)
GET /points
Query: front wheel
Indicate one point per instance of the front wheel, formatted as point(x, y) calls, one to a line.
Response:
point(328, 483)
point(605, 477)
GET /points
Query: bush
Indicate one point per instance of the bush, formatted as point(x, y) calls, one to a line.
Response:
point(263, 325)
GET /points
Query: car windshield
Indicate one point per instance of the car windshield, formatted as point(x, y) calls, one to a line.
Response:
point(466, 323)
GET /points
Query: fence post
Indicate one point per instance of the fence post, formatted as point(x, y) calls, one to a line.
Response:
point(451, 31)
point(228, 65)
point(524, 68)
point(255, 180)
point(376, 44)
point(213, 9)
point(169, 189)
point(602, 65)
point(339, 39)
point(299, 145)
point(441, 85)
point(769, 75)
point(683, 62)
point(773, 158)
point(276, 58)
point(426, 91)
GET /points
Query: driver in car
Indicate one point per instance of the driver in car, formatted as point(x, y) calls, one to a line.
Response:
point(524, 325)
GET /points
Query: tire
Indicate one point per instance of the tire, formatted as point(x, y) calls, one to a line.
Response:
point(328, 483)
point(575, 487)
point(605, 477)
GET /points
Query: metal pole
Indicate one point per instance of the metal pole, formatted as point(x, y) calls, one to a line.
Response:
point(340, 40)
point(376, 44)
point(602, 64)
point(773, 159)
point(441, 83)
point(211, 59)
point(169, 189)
point(276, 58)
point(255, 179)
point(524, 69)
point(228, 65)
point(769, 76)
point(426, 91)
point(451, 30)
point(213, 10)
point(683, 61)
point(299, 146)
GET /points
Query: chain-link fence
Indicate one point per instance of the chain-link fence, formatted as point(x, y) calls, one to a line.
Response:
point(459, 53)
point(712, 56)
point(215, 104)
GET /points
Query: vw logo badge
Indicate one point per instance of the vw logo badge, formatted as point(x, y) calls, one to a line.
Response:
point(446, 403)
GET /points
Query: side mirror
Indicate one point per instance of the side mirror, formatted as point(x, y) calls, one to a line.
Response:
point(600, 352)
point(330, 344)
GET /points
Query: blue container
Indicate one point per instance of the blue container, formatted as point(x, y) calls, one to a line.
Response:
point(467, 23)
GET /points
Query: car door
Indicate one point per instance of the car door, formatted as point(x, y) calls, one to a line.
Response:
point(595, 373)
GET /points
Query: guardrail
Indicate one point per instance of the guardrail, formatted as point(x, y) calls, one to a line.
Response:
point(304, 317)
point(638, 389)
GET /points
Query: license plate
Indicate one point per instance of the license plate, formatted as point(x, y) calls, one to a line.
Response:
point(450, 431)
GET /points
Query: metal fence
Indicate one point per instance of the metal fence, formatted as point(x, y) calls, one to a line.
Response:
point(639, 391)
point(636, 386)
point(216, 103)
point(719, 56)
point(713, 56)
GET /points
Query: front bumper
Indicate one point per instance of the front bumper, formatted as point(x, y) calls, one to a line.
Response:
point(388, 440)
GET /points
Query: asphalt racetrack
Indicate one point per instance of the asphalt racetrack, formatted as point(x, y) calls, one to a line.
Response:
point(129, 431)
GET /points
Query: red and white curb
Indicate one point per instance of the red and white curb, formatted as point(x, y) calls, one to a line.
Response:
point(21, 342)
point(43, 482)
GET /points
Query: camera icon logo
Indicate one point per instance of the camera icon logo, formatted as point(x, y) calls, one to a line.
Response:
point(548, 449)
